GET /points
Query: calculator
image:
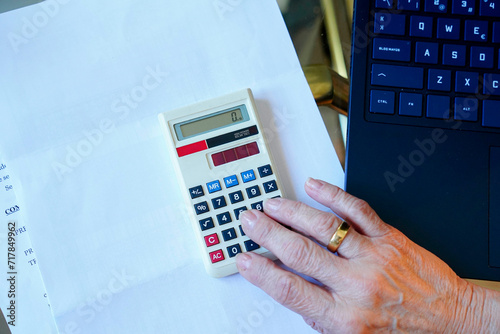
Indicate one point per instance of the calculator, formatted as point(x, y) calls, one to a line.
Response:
point(224, 167)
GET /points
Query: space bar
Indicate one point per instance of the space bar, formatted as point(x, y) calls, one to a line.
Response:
point(397, 76)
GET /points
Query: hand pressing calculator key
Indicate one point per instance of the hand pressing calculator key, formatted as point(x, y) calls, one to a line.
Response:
point(224, 167)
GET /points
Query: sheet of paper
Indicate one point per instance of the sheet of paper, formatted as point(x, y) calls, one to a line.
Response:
point(82, 84)
point(23, 299)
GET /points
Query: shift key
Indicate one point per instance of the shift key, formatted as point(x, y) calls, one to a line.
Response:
point(397, 76)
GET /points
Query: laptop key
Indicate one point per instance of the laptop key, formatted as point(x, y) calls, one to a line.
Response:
point(491, 113)
point(438, 106)
point(466, 109)
point(410, 104)
point(382, 102)
point(489, 8)
point(392, 76)
point(466, 82)
point(391, 49)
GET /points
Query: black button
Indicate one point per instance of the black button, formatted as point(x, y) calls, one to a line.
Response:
point(238, 211)
point(196, 192)
point(253, 191)
point(241, 231)
point(206, 224)
point(219, 202)
point(201, 208)
point(270, 186)
point(251, 245)
point(258, 206)
point(224, 218)
point(233, 250)
point(229, 234)
point(236, 197)
point(265, 171)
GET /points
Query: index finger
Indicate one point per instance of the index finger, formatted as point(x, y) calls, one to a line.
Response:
point(351, 208)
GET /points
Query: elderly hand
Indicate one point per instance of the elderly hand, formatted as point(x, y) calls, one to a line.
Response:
point(380, 280)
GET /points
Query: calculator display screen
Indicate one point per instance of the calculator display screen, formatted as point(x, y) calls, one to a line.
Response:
point(211, 122)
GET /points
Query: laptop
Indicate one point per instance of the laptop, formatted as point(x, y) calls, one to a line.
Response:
point(423, 145)
point(8, 5)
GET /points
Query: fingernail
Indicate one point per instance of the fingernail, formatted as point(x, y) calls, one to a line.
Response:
point(248, 219)
point(314, 184)
point(272, 204)
point(243, 261)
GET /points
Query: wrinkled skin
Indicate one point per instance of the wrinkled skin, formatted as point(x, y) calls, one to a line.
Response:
point(380, 280)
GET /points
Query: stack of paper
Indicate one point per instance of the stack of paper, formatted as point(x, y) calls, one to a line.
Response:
point(81, 86)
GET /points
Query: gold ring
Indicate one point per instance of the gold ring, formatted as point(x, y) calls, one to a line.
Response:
point(338, 237)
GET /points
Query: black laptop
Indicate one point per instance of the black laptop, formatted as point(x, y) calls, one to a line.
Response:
point(424, 125)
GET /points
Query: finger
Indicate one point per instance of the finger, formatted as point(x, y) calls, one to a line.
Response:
point(293, 249)
point(354, 210)
point(315, 223)
point(290, 290)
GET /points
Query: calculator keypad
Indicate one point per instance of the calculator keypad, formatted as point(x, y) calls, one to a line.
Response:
point(218, 212)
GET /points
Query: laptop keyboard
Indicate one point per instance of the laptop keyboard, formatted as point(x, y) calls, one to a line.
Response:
point(435, 63)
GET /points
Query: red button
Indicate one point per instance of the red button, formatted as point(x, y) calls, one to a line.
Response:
point(191, 148)
point(241, 152)
point(253, 149)
point(218, 159)
point(217, 256)
point(230, 155)
point(211, 239)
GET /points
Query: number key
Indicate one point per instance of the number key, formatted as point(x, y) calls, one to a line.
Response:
point(236, 197)
point(228, 234)
point(224, 218)
point(253, 191)
point(219, 202)
point(238, 211)
point(233, 250)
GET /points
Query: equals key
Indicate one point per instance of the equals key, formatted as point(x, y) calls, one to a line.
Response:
point(397, 76)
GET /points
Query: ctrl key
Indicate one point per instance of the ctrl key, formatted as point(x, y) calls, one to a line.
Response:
point(382, 102)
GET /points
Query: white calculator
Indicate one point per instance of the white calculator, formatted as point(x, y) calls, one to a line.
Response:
point(224, 167)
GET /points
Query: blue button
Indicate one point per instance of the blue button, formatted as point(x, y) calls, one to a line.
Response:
point(426, 53)
point(213, 186)
point(476, 31)
point(491, 113)
point(231, 181)
point(436, 6)
point(410, 104)
point(382, 102)
point(466, 82)
point(439, 80)
point(421, 26)
point(438, 106)
point(481, 56)
point(391, 24)
point(454, 55)
point(466, 109)
point(248, 176)
point(448, 28)
point(463, 7)
point(391, 49)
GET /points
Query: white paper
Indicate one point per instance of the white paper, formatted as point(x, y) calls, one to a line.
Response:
point(23, 299)
point(80, 95)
